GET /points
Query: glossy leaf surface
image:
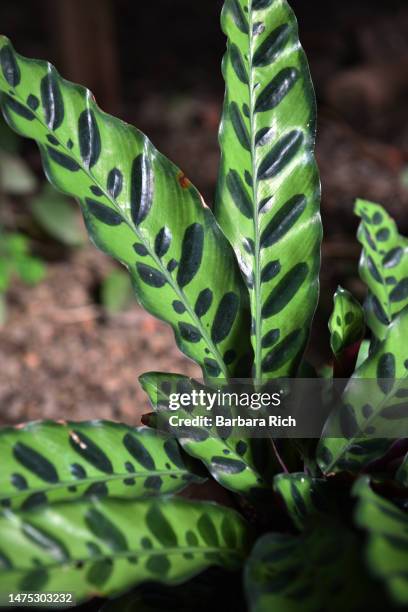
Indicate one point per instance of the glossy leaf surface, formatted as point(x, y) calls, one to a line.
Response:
point(374, 402)
point(268, 188)
point(387, 546)
point(383, 266)
point(47, 462)
point(138, 207)
point(239, 464)
point(104, 547)
point(346, 323)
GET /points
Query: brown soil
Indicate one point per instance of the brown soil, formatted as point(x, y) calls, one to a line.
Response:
point(61, 356)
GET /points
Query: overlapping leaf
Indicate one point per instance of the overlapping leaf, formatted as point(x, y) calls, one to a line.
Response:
point(374, 405)
point(317, 570)
point(48, 461)
point(138, 207)
point(346, 323)
point(268, 190)
point(383, 266)
point(104, 547)
point(239, 464)
point(302, 495)
point(387, 547)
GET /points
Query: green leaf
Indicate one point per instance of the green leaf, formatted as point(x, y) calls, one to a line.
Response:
point(56, 215)
point(138, 207)
point(302, 495)
point(105, 547)
point(319, 569)
point(239, 464)
point(49, 461)
point(374, 405)
point(116, 291)
point(387, 545)
point(346, 323)
point(383, 266)
point(268, 188)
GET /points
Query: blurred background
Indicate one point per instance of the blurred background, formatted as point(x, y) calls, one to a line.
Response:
point(72, 339)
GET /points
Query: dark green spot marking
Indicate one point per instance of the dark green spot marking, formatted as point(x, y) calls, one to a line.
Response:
point(289, 348)
point(191, 254)
point(105, 530)
point(103, 213)
point(19, 482)
point(9, 66)
point(138, 451)
point(238, 16)
point(99, 572)
point(160, 527)
point(35, 462)
point(227, 465)
point(283, 221)
point(140, 249)
point(63, 160)
point(203, 303)
point(238, 64)
point(386, 372)
point(151, 276)
point(158, 565)
point(282, 294)
point(224, 317)
point(278, 88)
point(91, 452)
point(211, 367)
point(179, 307)
point(272, 46)
point(89, 138)
point(400, 291)
point(33, 102)
point(52, 100)
point(270, 338)
point(271, 270)
point(280, 155)
point(239, 126)
point(207, 530)
point(162, 241)
point(239, 193)
point(114, 182)
point(189, 333)
point(142, 188)
point(18, 108)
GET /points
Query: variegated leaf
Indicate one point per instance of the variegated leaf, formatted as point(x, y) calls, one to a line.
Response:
point(240, 464)
point(103, 547)
point(138, 207)
point(346, 323)
point(52, 461)
point(268, 188)
point(383, 266)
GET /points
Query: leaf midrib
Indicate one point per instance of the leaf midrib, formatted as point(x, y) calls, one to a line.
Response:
point(375, 415)
point(179, 550)
point(179, 292)
point(77, 483)
point(257, 271)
